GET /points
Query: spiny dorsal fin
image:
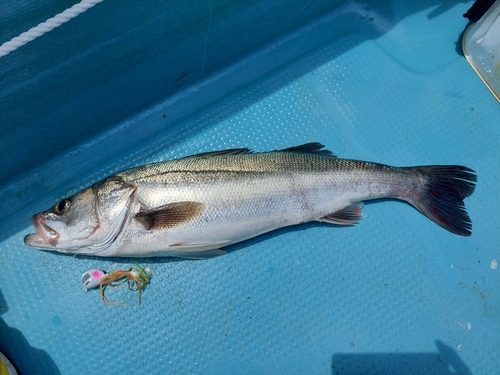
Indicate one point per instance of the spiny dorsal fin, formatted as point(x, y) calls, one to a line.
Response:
point(232, 151)
point(169, 215)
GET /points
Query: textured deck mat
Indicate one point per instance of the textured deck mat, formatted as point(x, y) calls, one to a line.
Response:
point(395, 294)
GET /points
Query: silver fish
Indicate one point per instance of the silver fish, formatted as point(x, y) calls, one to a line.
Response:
point(191, 207)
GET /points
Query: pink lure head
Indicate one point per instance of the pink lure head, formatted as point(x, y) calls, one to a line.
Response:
point(92, 278)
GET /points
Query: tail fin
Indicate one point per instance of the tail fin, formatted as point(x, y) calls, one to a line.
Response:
point(445, 188)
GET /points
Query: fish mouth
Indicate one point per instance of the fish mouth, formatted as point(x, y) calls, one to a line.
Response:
point(44, 232)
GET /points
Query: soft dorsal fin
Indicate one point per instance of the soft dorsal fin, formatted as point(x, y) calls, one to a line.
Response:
point(310, 148)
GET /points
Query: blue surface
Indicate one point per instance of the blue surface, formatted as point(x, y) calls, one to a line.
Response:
point(382, 82)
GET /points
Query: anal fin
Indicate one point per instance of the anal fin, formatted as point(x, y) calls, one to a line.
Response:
point(350, 215)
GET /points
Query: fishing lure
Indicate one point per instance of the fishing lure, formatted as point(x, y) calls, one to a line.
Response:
point(136, 277)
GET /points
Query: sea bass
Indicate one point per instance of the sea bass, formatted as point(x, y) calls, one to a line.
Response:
point(193, 206)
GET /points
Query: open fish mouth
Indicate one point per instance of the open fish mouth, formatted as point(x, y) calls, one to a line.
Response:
point(44, 232)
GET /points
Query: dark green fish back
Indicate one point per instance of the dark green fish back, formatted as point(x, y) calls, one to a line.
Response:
point(308, 158)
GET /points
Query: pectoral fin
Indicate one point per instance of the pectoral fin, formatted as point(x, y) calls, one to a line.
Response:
point(349, 215)
point(170, 215)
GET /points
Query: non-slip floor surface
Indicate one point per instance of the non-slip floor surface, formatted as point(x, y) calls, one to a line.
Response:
point(395, 294)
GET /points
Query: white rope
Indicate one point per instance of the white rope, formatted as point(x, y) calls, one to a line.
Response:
point(46, 26)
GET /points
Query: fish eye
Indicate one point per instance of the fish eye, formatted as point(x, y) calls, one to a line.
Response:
point(62, 206)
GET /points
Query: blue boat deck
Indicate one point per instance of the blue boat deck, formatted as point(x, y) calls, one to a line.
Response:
point(378, 81)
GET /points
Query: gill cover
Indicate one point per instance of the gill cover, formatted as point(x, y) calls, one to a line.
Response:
point(113, 198)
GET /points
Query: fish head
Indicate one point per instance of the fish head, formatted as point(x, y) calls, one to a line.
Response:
point(89, 222)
